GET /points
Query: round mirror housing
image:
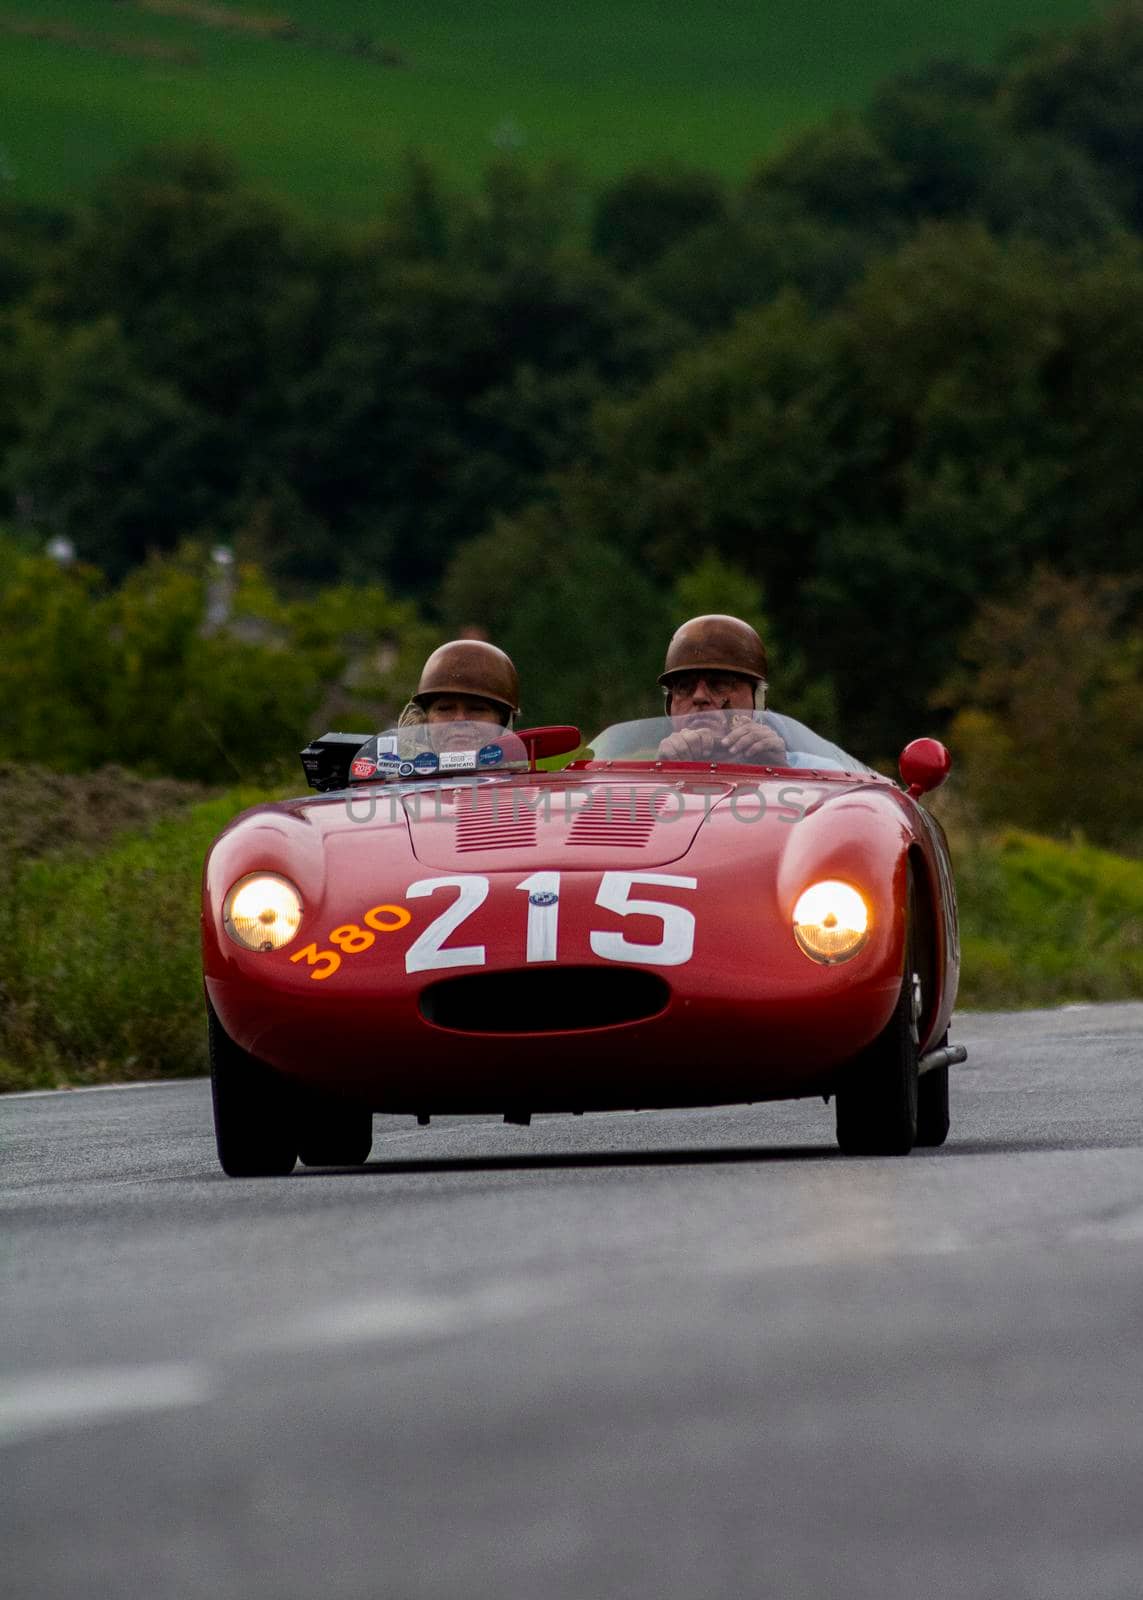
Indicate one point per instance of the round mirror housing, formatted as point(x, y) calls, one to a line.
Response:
point(924, 765)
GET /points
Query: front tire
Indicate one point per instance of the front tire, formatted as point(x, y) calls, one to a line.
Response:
point(331, 1134)
point(933, 1106)
point(253, 1121)
point(877, 1100)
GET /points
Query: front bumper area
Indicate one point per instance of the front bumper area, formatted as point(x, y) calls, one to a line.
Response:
point(699, 1049)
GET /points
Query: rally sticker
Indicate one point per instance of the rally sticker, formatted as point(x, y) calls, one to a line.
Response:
point(425, 762)
point(405, 770)
point(457, 760)
point(362, 768)
point(543, 898)
point(490, 755)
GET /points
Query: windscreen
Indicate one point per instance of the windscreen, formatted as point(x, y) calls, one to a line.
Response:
point(724, 739)
point(437, 750)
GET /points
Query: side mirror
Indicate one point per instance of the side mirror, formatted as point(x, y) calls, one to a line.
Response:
point(540, 743)
point(924, 765)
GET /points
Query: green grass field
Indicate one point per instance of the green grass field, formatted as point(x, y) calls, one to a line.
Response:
point(712, 85)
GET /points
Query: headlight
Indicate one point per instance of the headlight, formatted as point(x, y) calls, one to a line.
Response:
point(262, 912)
point(831, 921)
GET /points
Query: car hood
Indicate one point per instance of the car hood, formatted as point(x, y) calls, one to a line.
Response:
point(575, 821)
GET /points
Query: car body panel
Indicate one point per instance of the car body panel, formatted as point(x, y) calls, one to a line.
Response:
point(508, 859)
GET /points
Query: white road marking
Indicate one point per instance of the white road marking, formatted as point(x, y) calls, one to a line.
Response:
point(43, 1402)
point(99, 1088)
point(395, 1317)
point(48, 1402)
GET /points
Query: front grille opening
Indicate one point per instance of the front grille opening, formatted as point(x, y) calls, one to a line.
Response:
point(544, 1000)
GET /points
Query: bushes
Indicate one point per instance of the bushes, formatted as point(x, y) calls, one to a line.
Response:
point(1043, 923)
point(99, 956)
point(190, 669)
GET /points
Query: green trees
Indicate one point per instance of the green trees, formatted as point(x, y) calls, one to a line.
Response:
point(865, 393)
point(1049, 718)
point(140, 675)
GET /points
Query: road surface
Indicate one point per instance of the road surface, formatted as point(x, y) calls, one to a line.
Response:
point(667, 1354)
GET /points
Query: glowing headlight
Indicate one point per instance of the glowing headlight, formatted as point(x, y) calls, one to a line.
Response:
point(262, 912)
point(831, 921)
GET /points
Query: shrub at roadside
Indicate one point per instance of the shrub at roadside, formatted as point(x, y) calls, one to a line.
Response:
point(100, 979)
point(1043, 923)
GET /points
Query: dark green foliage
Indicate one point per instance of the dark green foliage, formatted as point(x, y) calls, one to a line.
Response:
point(585, 627)
point(30, 237)
point(1050, 727)
point(643, 215)
point(1086, 89)
point(110, 454)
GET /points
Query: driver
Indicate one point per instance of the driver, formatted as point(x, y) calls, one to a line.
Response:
point(712, 677)
point(466, 686)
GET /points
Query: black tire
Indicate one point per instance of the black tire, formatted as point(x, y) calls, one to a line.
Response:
point(933, 1106)
point(253, 1121)
point(877, 1099)
point(331, 1134)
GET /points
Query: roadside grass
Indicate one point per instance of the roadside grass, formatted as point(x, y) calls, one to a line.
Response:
point(99, 946)
point(100, 979)
point(1044, 923)
point(320, 99)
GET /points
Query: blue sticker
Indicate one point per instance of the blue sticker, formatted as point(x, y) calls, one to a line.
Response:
point(425, 762)
point(405, 770)
point(387, 763)
point(543, 897)
point(490, 755)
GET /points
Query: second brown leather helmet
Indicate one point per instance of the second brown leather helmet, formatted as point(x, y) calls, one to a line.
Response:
point(470, 666)
point(715, 644)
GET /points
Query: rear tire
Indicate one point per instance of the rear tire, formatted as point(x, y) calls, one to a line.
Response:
point(933, 1106)
point(878, 1097)
point(253, 1121)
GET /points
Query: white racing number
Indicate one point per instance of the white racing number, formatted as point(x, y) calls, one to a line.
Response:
point(543, 891)
point(678, 941)
point(676, 946)
point(425, 952)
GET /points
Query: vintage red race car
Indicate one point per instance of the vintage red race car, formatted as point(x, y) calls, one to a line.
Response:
point(444, 928)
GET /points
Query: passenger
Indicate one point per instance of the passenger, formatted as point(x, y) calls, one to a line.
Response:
point(712, 678)
point(464, 684)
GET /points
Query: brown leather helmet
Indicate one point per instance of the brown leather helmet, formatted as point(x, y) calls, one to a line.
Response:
point(470, 666)
point(715, 644)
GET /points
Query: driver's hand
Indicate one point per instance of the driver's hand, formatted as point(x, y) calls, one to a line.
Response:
point(755, 742)
point(689, 744)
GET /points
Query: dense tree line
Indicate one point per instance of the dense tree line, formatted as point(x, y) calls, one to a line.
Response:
point(872, 389)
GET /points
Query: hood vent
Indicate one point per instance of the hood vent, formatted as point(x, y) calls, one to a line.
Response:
point(617, 817)
point(489, 820)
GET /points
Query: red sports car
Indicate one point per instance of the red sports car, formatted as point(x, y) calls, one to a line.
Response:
point(444, 928)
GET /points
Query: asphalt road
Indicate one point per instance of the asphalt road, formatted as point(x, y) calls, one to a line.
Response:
point(661, 1354)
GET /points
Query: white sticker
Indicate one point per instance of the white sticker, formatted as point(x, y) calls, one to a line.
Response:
point(457, 760)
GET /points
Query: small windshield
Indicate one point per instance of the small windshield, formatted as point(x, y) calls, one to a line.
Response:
point(437, 750)
point(725, 739)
